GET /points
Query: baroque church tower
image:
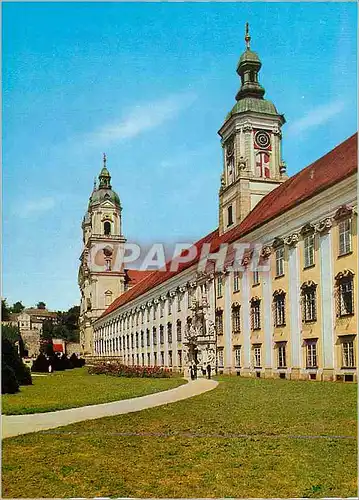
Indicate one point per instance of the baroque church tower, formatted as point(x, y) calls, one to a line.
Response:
point(99, 279)
point(251, 142)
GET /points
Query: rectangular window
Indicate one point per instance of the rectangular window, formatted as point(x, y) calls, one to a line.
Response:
point(345, 236)
point(170, 306)
point(309, 250)
point(236, 319)
point(230, 215)
point(219, 322)
point(162, 358)
point(179, 331)
point(309, 304)
point(348, 354)
point(143, 359)
point(154, 311)
point(148, 338)
point(155, 358)
point(148, 315)
point(256, 314)
point(257, 356)
point(219, 287)
point(148, 359)
point(136, 340)
point(346, 297)
point(236, 281)
point(142, 339)
point(279, 309)
point(255, 277)
point(169, 333)
point(279, 262)
point(179, 357)
point(154, 336)
point(282, 359)
point(311, 347)
point(237, 356)
point(178, 303)
point(162, 337)
point(169, 358)
point(162, 308)
point(220, 358)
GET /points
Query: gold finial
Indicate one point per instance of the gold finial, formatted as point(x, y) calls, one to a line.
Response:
point(104, 160)
point(247, 38)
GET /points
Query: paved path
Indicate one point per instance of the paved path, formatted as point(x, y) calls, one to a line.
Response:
point(14, 425)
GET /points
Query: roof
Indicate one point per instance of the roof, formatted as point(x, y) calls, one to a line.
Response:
point(40, 312)
point(330, 169)
point(253, 104)
point(133, 276)
point(249, 56)
point(103, 194)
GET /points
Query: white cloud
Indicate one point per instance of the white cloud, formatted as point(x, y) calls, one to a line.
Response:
point(142, 118)
point(35, 207)
point(316, 117)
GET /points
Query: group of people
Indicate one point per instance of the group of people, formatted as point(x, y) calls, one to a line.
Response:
point(205, 370)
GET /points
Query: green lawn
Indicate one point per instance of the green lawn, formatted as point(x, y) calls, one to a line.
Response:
point(193, 449)
point(73, 388)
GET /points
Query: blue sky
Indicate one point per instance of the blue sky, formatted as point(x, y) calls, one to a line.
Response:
point(149, 84)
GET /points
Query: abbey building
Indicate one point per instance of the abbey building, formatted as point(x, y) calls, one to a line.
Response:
point(288, 310)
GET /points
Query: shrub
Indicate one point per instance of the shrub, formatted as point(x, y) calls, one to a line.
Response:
point(9, 383)
point(41, 364)
point(11, 358)
point(76, 362)
point(119, 370)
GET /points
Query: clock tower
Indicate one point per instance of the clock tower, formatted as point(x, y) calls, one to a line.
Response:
point(251, 142)
point(100, 281)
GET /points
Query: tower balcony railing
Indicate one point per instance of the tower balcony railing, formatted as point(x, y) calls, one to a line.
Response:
point(108, 236)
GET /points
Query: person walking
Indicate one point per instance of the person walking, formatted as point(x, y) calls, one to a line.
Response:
point(208, 371)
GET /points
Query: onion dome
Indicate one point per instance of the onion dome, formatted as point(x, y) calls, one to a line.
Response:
point(104, 190)
point(250, 96)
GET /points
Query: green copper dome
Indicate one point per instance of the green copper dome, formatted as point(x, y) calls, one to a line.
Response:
point(104, 191)
point(253, 104)
point(249, 56)
point(101, 195)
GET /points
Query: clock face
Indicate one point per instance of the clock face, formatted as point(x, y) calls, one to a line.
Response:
point(262, 139)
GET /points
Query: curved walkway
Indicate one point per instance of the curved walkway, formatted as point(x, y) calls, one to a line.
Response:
point(15, 425)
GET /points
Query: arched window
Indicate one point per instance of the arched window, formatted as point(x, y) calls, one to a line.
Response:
point(262, 165)
point(107, 227)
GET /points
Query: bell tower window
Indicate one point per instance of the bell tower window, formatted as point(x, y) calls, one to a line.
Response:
point(230, 215)
point(107, 228)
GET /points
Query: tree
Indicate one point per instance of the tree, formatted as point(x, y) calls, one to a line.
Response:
point(41, 305)
point(47, 330)
point(12, 361)
point(67, 327)
point(18, 307)
point(11, 333)
point(5, 310)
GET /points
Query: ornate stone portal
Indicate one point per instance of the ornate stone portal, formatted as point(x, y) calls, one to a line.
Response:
point(200, 336)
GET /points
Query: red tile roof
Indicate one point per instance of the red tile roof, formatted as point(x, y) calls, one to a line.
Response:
point(333, 167)
point(133, 276)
